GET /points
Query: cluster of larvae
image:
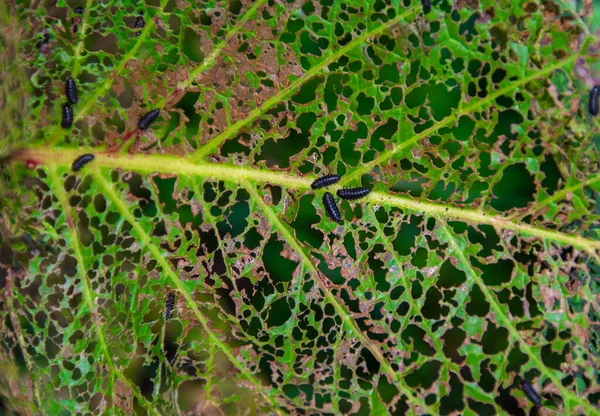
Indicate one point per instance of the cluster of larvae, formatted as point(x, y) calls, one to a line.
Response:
point(331, 207)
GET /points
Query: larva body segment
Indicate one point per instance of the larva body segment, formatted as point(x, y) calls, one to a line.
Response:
point(353, 193)
point(594, 94)
point(324, 181)
point(169, 305)
point(82, 160)
point(531, 393)
point(67, 116)
point(331, 208)
point(71, 91)
point(146, 119)
point(426, 5)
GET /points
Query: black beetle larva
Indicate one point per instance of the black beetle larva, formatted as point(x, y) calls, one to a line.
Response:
point(426, 5)
point(82, 160)
point(169, 305)
point(45, 39)
point(594, 94)
point(139, 22)
point(531, 393)
point(67, 116)
point(78, 10)
point(325, 181)
point(146, 119)
point(331, 208)
point(71, 91)
point(353, 193)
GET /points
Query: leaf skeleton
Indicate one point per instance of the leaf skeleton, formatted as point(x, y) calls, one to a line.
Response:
point(331, 208)
point(324, 181)
point(594, 94)
point(71, 91)
point(67, 116)
point(82, 160)
point(145, 120)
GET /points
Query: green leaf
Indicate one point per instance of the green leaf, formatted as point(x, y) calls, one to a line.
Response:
point(473, 264)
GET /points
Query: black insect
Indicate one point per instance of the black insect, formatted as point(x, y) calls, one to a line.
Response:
point(531, 393)
point(169, 305)
point(75, 28)
point(44, 40)
point(82, 160)
point(139, 22)
point(426, 5)
point(331, 207)
point(325, 181)
point(67, 116)
point(78, 10)
point(146, 119)
point(594, 94)
point(71, 91)
point(353, 193)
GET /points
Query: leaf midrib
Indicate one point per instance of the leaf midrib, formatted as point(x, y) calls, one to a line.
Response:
point(236, 174)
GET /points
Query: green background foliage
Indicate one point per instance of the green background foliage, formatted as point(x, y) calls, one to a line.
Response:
point(472, 265)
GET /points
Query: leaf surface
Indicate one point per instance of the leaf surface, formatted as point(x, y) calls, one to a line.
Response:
point(473, 263)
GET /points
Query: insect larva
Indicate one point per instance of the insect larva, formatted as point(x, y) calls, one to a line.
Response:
point(71, 91)
point(353, 193)
point(426, 5)
point(594, 94)
point(146, 119)
point(139, 22)
point(67, 116)
point(82, 160)
point(331, 208)
point(531, 393)
point(45, 39)
point(78, 10)
point(169, 305)
point(325, 181)
point(75, 28)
